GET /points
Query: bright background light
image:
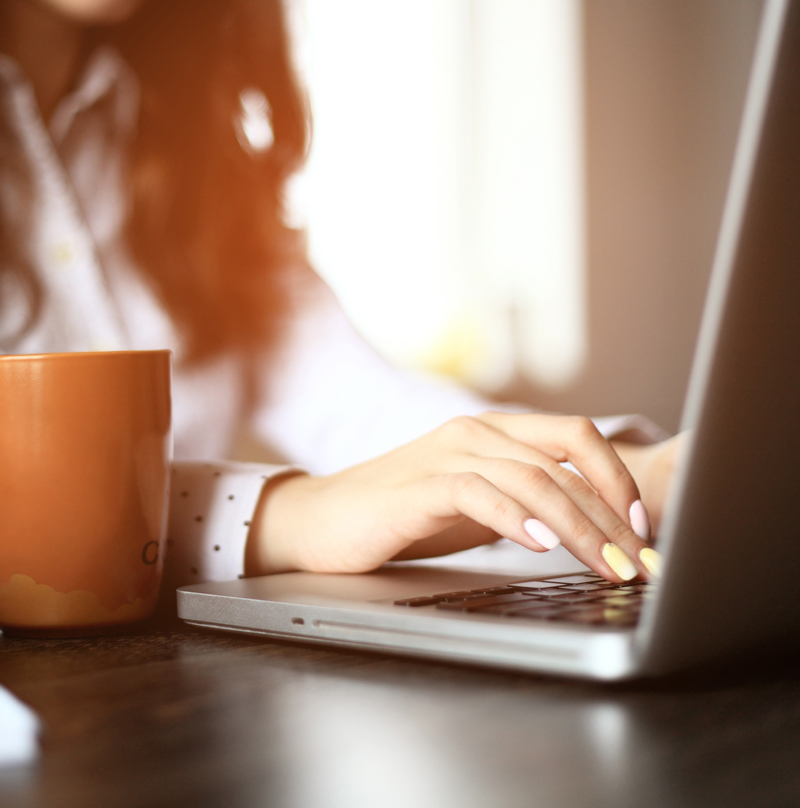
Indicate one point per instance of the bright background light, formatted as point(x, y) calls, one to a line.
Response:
point(444, 197)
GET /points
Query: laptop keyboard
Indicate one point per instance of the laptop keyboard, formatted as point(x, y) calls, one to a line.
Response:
point(585, 598)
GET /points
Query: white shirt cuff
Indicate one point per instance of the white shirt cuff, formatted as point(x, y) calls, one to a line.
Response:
point(211, 507)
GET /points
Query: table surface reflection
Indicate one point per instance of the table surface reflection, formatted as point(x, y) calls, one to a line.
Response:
point(171, 715)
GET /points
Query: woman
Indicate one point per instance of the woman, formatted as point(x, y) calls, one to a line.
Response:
point(138, 214)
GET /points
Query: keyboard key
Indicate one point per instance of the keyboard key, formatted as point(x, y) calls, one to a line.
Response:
point(473, 604)
point(534, 614)
point(621, 602)
point(590, 616)
point(535, 585)
point(454, 596)
point(555, 592)
point(509, 608)
point(582, 578)
point(620, 617)
point(474, 593)
point(590, 587)
point(417, 602)
point(573, 597)
point(598, 616)
point(617, 593)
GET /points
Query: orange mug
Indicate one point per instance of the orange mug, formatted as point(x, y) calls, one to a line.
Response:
point(85, 452)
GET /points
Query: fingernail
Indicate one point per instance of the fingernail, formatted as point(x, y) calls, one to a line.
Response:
point(542, 534)
point(652, 560)
point(640, 521)
point(619, 562)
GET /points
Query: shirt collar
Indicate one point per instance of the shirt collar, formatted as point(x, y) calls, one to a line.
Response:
point(105, 76)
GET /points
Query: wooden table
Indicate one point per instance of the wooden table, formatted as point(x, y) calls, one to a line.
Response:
point(168, 715)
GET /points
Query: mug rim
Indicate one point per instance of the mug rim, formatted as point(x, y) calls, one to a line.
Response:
point(81, 355)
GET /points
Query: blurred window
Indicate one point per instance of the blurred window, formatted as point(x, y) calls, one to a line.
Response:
point(445, 192)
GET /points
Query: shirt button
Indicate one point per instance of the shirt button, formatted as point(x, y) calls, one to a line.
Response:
point(63, 253)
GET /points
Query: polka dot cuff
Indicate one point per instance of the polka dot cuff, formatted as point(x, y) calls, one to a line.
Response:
point(211, 506)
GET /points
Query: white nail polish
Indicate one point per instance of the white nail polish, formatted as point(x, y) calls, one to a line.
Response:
point(640, 521)
point(542, 534)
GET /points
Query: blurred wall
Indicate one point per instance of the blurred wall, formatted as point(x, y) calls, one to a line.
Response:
point(665, 84)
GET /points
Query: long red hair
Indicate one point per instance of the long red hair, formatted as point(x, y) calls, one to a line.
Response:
point(207, 223)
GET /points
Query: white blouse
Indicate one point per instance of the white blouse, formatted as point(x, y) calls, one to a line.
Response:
point(326, 402)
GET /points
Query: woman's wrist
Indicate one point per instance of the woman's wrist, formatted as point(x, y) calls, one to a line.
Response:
point(652, 466)
point(269, 547)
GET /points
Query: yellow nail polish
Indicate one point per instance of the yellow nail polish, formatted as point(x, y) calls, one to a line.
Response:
point(619, 562)
point(652, 561)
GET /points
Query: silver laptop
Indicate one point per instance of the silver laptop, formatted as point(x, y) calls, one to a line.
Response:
point(731, 533)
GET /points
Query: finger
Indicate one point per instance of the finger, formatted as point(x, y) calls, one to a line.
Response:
point(472, 495)
point(587, 499)
point(576, 440)
point(587, 527)
point(620, 533)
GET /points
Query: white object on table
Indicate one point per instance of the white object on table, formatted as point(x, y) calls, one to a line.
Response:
point(19, 729)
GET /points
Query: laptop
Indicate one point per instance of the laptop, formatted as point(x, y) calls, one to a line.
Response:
point(730, 536)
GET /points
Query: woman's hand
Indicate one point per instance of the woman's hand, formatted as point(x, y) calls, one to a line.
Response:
point(466, 483)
